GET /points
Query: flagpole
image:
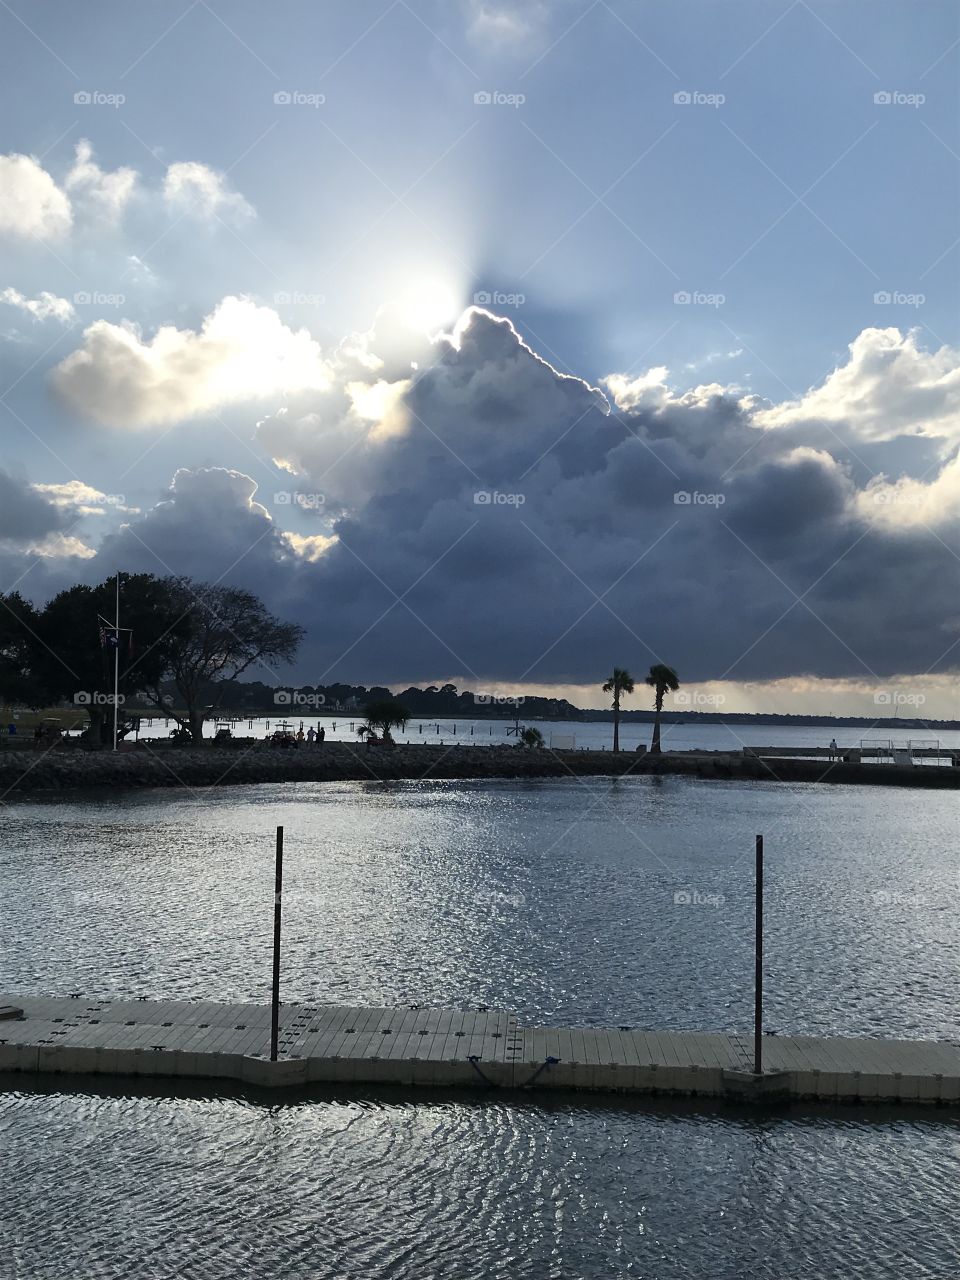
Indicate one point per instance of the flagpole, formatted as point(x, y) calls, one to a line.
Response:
point(116, 664)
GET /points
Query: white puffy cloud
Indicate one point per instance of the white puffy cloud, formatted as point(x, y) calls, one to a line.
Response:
point(309, 546)
point(647, 390)
point(59, 546)
point(909, 502)
point(241, 352)
point(194, 187)
point(889, 387)
point(382, 404)
point(82, 499)
point(47, 306)
point(31, 203)
point(107, 194)
point(34, 204)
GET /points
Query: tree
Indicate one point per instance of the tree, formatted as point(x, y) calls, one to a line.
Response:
point(19, 648)
point(221, 631)
point(71, 660)
point(663, 679)
point(530, 737)
point(385, 714)
point(619, 684)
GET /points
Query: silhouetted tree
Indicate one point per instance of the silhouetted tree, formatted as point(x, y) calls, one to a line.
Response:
point(385, 714)
point(619, 684)
point(222, 632)
point(19, 647)
point(72, 663)
point(662, 679)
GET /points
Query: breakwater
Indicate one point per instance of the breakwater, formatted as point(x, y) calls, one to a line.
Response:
point(149, 765)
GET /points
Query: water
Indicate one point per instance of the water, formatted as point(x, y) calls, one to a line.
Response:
point(428, 1188)
point(602, 901)
point(593, 901)
point(592, 735)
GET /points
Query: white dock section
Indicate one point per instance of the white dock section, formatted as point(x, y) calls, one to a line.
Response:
point(443, 1047)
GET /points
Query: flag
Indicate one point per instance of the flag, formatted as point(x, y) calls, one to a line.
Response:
point(108, 639)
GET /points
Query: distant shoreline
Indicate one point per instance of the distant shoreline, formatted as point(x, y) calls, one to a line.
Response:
point(595, 716)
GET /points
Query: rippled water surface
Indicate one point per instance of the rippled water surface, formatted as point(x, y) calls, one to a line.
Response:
point(112, 1186)
point(593, 901)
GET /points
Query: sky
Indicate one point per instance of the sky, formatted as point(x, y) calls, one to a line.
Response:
point(499, 342)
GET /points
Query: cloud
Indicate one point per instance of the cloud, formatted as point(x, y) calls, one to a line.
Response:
point(34, 204)
point(647, 390)
point(36, 525)
point(31, 203)
point(506, 25)
point(25, 514)
point(60, 546)
point(379, 415)
point(515, 529)
point(82, 499)
point(106, 194)
point(797, 494)
point(889, 387)
point(309, 546)
point(911, 503)
point(210, 525)
point(196, 188)
point(45, 307)
point(242, 352)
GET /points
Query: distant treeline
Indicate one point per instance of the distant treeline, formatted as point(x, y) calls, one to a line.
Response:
point(759, 717)
point(253, 698)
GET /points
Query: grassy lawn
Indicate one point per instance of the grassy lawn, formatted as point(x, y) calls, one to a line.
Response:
point(26, 721)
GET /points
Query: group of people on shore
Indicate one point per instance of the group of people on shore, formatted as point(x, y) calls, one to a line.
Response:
point(283, 737)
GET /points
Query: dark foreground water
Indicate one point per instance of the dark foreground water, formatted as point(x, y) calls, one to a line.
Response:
point(219, 1188)
point(623, 901)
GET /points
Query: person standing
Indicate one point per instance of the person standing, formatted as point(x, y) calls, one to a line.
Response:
point(322, 733)
point(311, 734)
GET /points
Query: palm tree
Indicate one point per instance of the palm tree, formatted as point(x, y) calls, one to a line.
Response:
point(386, 714)
point(620, 683)
point(531, 737)
point(663, 679)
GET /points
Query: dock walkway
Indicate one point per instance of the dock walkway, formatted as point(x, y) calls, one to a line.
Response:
point(200, 1040)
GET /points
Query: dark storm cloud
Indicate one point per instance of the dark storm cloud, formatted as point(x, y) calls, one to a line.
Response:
point(517, 528)
point(26, 515)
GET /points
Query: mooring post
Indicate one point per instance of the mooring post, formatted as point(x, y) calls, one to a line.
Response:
point(758, 967)
point(277, 910)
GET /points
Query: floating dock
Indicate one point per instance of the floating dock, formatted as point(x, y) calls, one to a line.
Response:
point(323, 1044)
point(886, 751)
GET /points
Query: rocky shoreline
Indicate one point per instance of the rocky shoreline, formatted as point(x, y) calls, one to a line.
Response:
point(256, 762)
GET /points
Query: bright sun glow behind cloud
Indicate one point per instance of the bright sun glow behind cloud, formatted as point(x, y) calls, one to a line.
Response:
point(428, 306)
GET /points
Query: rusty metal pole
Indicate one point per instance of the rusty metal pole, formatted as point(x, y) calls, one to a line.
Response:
point(277, 910)
point(758, 967)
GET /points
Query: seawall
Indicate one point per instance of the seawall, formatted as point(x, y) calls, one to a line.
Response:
point(257, 762)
